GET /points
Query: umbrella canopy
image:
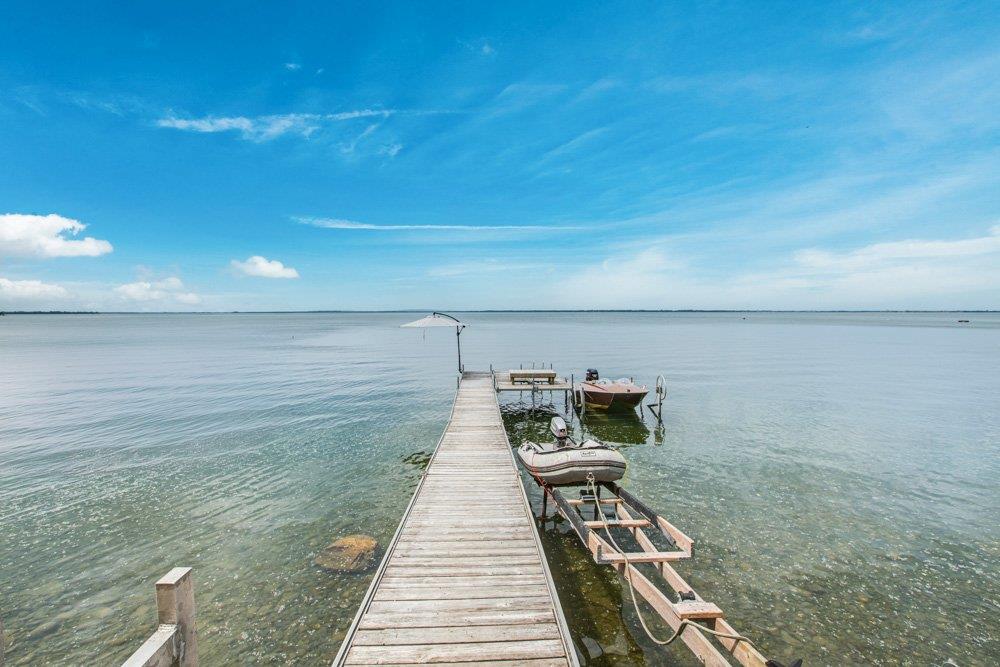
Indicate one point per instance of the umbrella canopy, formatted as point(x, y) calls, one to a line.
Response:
point(441, 320)
point(435, 320)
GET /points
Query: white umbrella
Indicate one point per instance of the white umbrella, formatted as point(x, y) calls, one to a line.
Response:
point(441, 320)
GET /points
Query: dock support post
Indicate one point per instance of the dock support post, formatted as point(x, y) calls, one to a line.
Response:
point(175, 606)
point(175, 641)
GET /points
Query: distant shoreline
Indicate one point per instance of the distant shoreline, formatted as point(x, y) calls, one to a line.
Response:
point(410, 310)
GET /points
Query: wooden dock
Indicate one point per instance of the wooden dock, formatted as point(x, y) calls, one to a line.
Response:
point(464, 580)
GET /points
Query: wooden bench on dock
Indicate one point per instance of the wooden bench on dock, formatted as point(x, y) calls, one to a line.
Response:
point(532, 375)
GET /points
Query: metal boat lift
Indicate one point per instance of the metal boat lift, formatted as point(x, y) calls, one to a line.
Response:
point(694, 620)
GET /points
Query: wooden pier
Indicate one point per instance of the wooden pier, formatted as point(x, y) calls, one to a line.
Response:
point(464, 579)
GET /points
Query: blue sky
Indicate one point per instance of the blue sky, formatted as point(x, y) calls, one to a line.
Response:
point(499, 155)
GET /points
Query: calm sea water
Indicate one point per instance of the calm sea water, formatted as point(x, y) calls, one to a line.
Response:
point(840, 474)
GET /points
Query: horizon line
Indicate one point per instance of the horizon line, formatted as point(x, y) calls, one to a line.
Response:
point(487, 310)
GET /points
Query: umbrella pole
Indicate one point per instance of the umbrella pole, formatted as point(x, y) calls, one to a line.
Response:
point(458, 339)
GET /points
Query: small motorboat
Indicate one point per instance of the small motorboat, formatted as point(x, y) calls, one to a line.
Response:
point(566, 462)
point(604, 394)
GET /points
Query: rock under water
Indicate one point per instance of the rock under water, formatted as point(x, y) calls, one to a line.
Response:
point(353, 553)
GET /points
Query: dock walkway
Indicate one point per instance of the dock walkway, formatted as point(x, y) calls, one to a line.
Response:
point(464, 580)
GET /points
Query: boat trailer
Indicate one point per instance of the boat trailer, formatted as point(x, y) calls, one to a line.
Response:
point(694, 620)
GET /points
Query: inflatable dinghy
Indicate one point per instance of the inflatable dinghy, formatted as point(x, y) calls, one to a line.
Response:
point(566, 462)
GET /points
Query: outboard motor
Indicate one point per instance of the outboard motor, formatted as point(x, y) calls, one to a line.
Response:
point(592, 375)
point(558, 428)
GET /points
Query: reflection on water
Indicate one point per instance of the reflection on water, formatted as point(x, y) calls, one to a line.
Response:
point(838, 473)
point(619, 427)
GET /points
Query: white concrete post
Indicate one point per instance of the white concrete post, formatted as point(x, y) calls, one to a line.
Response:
point(175, 606)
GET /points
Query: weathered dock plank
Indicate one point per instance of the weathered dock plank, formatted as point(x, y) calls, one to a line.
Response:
point(464, 580)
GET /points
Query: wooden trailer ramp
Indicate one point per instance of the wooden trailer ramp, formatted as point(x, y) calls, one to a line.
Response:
point(464, 580)
point(690, 614)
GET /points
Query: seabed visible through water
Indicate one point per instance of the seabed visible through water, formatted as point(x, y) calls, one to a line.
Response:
point(837, 472)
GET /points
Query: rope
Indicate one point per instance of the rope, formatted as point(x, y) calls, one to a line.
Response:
point(631, 589)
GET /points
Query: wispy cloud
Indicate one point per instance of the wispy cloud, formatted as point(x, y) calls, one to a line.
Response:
point(934, 102)
point(390, 149)
point(520, 96)
point(293, 67)
point(596, 89)
point(261, 267)
point(727, 131)
point(480, 46)
point(339, 223)
point(761, 84)
point(914, 273)
point(478, 267)
point(264, 128)
point(44, 236)
point(881, 254)
point(368, 113)
point(573, 144)
point(902, 274)
point(267, 127)
point(353, 144)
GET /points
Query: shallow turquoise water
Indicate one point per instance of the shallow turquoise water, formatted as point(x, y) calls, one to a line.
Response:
point(838, 472)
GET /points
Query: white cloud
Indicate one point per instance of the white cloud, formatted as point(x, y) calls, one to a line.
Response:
point(210, 124)
point(264, 128)
point(618, 282)
point(879, 254)
point(261, 128)
point(918, 274)
point(293, 67)
point(164, 291)
point(30, 289)
point(361, 113)
point(262, 267)
point(24, 235)
point(340, 223)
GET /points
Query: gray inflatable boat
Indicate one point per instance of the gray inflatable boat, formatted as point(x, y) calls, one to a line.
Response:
point(566, 462)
